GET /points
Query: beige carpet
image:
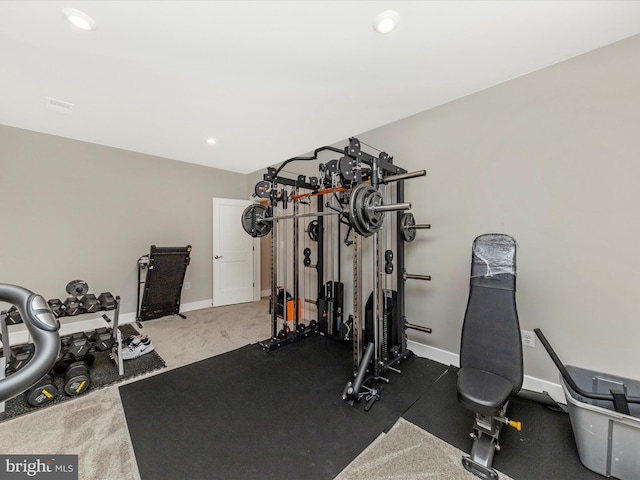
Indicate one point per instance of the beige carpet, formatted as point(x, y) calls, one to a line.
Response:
point(407, 452)
point(94, 427)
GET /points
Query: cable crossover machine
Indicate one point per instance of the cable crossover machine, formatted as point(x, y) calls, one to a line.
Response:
point(352, 196)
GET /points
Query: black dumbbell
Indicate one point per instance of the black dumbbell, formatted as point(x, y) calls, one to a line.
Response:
point(22, 356)
point(71, 306)
point(107, 301)
point(102, 339)
point(56, 306)
point(88, 303)
point(77, 379)
point(13, 316)
point(78, 345)
point(43, 392)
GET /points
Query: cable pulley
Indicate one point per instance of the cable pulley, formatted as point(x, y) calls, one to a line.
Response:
point(263, 189)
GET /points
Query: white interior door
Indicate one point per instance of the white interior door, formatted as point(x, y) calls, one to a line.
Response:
point(233, 254)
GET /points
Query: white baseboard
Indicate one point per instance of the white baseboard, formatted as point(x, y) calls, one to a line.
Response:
point(199, 305)
point(447, 358)
point(435, 354)
point(265, 293)
point(184, 307)
point(554, 390)
point(19, 335)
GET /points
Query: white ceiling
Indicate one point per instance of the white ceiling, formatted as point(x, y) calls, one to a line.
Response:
point(272, 79)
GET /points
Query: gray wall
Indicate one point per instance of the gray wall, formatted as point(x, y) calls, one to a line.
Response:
point(552, 159)
point(76, 210)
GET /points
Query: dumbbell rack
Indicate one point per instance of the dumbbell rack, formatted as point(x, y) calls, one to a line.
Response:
point(116, 350)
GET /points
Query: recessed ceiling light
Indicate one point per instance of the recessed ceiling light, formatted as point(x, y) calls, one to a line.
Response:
point(211, 141)
point(386, 21)
point(79, 19)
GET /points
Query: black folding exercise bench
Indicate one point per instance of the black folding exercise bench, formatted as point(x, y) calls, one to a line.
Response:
point(491, 369)
point(166, 268)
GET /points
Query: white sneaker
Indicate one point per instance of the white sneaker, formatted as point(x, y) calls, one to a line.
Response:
point(136, 346)
point(131, 338)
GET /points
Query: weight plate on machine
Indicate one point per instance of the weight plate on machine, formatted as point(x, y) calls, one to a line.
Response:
point(355, 205)
point(252, 220)
point(374, 219)
point(362, 216)
point(406, 221)
point(313, 230)
point(77, 287)
point(263, 189)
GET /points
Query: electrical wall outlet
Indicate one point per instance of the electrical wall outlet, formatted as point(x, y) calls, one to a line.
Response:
point(528, 338)
point(187, 285)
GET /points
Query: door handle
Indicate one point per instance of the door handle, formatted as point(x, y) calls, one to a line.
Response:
point(217, 257)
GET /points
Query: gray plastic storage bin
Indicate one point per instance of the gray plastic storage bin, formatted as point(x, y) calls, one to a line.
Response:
point(608, 442)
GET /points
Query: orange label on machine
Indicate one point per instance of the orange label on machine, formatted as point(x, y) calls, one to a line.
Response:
point(290, 311)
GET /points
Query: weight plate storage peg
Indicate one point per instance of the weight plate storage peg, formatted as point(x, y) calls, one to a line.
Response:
point(77, 288)
point(252, 220)
point(43, 392)
point(77, 379)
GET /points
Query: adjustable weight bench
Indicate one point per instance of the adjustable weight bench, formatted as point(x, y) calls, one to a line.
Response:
point(491, 369)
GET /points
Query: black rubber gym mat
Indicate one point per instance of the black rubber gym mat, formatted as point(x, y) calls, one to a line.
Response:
point(251, 415)
point(103, 372)
point(544, 449)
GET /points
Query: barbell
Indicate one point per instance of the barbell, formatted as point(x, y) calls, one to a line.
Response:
point(365, 214)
